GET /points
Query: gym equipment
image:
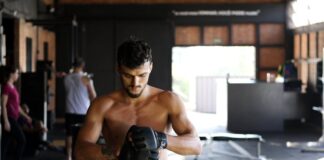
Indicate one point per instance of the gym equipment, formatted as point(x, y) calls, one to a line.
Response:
point(311, 146)
point(231, 138)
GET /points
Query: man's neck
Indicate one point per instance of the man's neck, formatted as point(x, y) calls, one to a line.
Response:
point(77, 70)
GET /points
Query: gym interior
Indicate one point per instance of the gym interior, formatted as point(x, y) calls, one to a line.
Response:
point(248, 71)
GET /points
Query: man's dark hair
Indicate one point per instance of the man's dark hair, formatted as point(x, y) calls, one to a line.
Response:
point(133, 53)
point(78, 62)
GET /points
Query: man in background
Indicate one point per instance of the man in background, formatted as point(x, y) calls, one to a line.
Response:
point(79, 93)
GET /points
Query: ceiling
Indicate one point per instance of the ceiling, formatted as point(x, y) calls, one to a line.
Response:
point(50, 2)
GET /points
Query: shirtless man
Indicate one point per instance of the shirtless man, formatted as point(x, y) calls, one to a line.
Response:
point(137, 103)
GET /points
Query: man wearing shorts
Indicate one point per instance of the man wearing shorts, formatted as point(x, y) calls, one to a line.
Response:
point(79, 92)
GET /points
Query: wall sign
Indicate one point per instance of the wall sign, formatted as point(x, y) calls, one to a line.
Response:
point(218, 13)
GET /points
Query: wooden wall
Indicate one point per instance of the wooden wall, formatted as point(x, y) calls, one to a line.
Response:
point(28, 30)
point(308, 51)
point(25, 30)
point(266, 31)
point(38, 36)
point(158, 1)
point(268, 38)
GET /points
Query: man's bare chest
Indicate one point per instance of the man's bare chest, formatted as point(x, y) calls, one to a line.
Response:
point(155, 116)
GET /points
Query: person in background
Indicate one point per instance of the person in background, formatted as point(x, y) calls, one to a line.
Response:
point(80, 92)
point(11, 111)
point(33, 132)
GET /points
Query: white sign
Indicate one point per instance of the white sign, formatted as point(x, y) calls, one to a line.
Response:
point(218, 13)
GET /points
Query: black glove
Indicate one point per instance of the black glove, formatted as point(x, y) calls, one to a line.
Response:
point(147, 138)
point(129, 153)
point(142, 143)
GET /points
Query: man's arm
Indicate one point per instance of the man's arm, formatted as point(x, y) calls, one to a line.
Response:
point(187, 141)
point(91, 90)
point(90, 87)
point(86, 147)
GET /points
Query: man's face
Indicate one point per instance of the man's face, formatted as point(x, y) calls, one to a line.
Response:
point(135, 80)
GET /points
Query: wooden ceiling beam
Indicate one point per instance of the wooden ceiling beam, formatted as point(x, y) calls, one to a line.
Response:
point(50, 2)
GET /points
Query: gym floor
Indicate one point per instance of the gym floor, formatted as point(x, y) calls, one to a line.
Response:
point(273, 147)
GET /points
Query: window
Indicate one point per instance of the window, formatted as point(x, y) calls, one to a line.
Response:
point(199, 75)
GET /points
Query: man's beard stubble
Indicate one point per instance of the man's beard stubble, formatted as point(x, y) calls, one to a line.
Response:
point(134, 95)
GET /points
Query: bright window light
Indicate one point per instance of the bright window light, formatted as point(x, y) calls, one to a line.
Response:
point(190, 63)
point(306, 12)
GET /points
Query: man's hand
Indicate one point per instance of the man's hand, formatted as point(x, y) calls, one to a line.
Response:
point(146, 138)
point(142, 143)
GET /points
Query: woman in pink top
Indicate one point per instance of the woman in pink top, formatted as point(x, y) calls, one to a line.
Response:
point(10, 113)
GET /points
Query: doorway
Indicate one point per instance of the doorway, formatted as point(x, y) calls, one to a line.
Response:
point(200, 75)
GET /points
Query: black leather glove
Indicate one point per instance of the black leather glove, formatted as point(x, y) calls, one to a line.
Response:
point(142, 143)
point(147, 138)
point(129, 153)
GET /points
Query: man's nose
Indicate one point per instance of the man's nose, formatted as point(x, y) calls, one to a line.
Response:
point(135, 81)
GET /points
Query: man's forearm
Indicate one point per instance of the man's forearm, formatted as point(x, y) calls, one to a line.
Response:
point(90, 151)
point(92, 92)
point(184, 144)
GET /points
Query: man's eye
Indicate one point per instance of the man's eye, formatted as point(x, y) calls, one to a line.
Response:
point(127, 75)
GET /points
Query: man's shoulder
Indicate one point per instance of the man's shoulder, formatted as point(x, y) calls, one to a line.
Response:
point(104, 100)
point(72, 74)
point(162, 92)
point(107, 99)
point(171, 101)
point(166, 95)
point(159, 91)
point(68, 76)
point(101, 104)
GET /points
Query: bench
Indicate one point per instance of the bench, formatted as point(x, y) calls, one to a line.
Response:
point(231, 138)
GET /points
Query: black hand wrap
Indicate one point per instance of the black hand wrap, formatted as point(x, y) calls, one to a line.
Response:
point(142, 143)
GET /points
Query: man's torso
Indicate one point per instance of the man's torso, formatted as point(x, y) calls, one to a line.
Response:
point(77, 97)
point(152, 112)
